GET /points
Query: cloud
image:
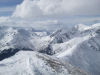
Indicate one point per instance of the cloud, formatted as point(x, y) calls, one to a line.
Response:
point(57, 8)
point(49, 14)
point(28, 8)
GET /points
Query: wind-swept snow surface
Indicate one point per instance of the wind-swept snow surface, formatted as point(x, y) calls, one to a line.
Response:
point(82, 49)
point(33, 63)
point(50, 54)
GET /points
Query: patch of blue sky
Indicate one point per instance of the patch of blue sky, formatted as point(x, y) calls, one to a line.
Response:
point(7, 6)
point(5, 3)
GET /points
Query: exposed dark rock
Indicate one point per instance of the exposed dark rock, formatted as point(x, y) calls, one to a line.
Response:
point(8, 53)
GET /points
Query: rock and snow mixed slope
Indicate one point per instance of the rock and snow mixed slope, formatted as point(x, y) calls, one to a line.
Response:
point(33, 63)
point(79, 46)
point(82, 49)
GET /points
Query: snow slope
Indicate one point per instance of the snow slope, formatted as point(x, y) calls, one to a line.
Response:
point(80, 46)
point(33, 63)
point(82, 49)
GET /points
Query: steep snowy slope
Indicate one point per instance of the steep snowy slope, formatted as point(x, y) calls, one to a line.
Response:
point(33, 63)
point(79, 46)
point(82, 49)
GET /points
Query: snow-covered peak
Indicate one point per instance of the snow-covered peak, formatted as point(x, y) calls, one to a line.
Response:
point(81, 27)
point(96, 25)
point(82, 49)
point(78, 46)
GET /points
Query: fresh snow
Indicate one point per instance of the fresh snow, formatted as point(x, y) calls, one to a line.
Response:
point(82, 49)
point(33, 63)
point(80, 46)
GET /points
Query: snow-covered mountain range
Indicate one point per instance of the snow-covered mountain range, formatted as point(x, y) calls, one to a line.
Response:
point(81, 47)
point(45, 54)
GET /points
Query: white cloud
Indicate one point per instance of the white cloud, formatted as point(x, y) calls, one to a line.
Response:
point(48, 14)
point(28, 8)
point(57, 8)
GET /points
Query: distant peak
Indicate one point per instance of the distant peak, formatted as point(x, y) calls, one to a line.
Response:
point(81, 27)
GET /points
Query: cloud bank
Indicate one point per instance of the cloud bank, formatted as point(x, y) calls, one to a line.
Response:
point(53, 14)
point(57, 8)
